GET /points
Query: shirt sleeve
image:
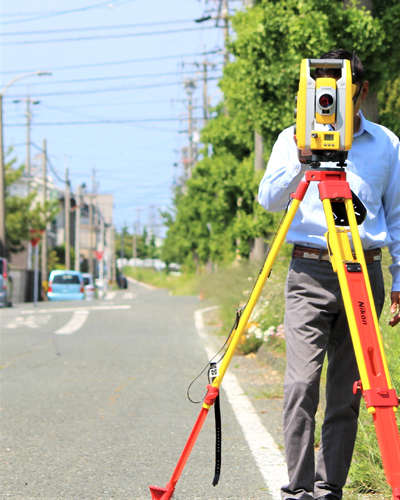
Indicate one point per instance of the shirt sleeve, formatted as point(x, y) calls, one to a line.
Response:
point(391, 205)
point(283, 174)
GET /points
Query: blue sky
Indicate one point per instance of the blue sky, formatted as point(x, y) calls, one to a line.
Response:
point(107, 79)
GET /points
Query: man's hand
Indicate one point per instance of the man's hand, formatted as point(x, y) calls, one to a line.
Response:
point(395, 308)
point(303, 154)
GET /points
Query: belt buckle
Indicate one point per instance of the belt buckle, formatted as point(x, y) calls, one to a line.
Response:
point(308, 255)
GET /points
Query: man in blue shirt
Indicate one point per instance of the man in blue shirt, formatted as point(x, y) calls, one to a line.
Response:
point(315, 319)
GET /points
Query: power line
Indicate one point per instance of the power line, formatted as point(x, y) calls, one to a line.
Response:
point(62, 12)
point(112, 63)
point(113, 89)
point(96, 28)
point(126, 35)
point(103, 78)
point(100, 122)
point(49, 162)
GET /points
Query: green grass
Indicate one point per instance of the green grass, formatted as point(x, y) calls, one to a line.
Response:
point(186, 284)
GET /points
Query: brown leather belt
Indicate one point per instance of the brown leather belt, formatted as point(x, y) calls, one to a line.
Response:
point(302, 252)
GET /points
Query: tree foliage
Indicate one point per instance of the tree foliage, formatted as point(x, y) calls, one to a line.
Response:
point(215, 215)
point(23, 214)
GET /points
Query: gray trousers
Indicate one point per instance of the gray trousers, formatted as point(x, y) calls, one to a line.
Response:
point(315, 325)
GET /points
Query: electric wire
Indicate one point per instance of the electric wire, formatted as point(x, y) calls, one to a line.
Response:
point(94, 28)
point(112, 89)
point(49, 162)
point(103, 37)
point(103, 122)
point(112, 63)
point(104, 78)
point(63, 12)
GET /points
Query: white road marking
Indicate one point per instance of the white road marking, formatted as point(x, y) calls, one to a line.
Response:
point(110, 295)
point(73, 309)
point(75, 323)
point(30, 321)
point(266, 453)
point(144, 285)
point(128, 296)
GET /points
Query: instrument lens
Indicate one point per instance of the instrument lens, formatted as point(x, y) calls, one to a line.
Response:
point(326, 101)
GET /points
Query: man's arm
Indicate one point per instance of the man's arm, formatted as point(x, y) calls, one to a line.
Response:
point(283, 174)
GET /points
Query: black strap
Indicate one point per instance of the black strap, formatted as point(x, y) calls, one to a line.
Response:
point(218, 440)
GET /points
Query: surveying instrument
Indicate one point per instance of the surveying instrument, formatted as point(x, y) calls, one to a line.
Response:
point(324, 127)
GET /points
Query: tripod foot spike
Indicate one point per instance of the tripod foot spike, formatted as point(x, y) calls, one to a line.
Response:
point(158, 493)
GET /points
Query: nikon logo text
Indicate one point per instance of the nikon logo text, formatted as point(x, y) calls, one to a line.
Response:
point(363, 312)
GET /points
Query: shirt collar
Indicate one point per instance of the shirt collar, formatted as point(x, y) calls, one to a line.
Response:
point(365, 126)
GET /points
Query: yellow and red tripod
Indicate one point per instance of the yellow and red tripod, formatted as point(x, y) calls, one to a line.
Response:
point(375, 383)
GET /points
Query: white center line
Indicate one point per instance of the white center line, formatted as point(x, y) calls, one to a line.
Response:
point(75, 323)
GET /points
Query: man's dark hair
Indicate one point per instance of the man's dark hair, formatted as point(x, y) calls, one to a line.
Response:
point(336, 73)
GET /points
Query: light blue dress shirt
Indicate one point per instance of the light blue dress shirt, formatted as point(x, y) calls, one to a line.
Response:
point(373, 172)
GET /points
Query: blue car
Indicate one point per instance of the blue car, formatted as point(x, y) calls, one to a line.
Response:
point(65, 285)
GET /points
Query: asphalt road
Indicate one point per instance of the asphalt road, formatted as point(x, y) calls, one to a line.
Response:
point(93, 403)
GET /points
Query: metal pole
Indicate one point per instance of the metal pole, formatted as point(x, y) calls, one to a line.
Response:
point(190, 86)
point(44, 199)
point(102, 247)
point(225, 16)
point(36, 275)
point(114, 264)
point(28, 168)
point(205, 92)
point(134, 243)
point(67, 209)
point(3, 251)
point(78, 230)
point(28, 139)
point(91, 196)
point(259, 165)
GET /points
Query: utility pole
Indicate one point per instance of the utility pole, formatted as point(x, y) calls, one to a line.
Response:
point(44, 199)
point(3, 246)
point(134, 242)
point(67, 208)
point(78, 229)
point(113, 257)
point(91, 196)
point(225, 17)
point(28, 164)
point(28, 139)
point(206, 101)
point(190, 85)
point(101, 247)
point(259, 165)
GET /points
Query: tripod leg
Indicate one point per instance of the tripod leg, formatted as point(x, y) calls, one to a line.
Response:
point(380, 397)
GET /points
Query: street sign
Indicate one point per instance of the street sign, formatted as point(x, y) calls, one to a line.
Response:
point(99, 254)
point(35, 235)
